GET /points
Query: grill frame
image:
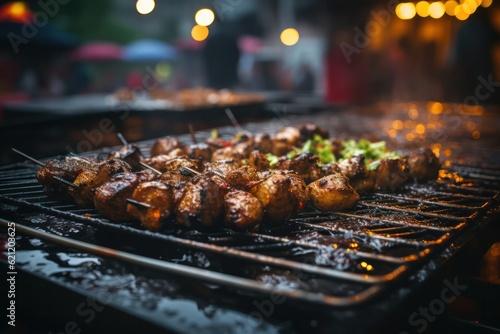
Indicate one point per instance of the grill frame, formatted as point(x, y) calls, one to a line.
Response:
point(20, 177)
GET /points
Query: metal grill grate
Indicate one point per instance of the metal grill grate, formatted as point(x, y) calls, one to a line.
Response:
point(331, 258)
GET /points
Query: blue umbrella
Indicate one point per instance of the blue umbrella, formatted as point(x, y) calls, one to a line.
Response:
point(149, 50)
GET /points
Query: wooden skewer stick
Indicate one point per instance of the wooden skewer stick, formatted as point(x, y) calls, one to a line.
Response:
point(69, 184)
point(190, 170)
point(233, 120)
point(150, 168)
point(73, 154)
point(191, 132)
point(122, 139)
point(38, 162)
point(137, 203)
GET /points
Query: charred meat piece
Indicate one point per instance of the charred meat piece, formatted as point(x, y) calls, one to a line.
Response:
point(305, 164)
point(336, 147)
point(242, 137)
point(236, 152)
point(365, 183)
point(330, 168)
point(309, 130)
point(391, 174)
point(164, 146)
point(164, 163)
point(223, 166)
point(89, 180)
point(353, 167)
point(332, 192)
point(360, 178)
point(200, 151)
point(290, 134)
point(298, 188)
point(199, 201)
point(258, 161)
point(110, 199)
point(131, 154)
point(263, 143)
point(423, 164)
point(217, 142)
point(67, 168)
point(242, 209)
point(277, 194)
point(160, 199)
point(242, 178)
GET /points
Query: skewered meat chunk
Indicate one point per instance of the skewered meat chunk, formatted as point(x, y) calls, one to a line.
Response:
point(164, 146)
point(353, 167)
point(424, 165)
point(242, 209)
point(391, 174)
point(237, 152)
point(242, 178)
point(199, 151)
point(217, 142)
point(309, 130)
point(365, 183)
point(361, 179)
point(242, 137)
point(110, 199)
point(298, 188)
point(330, 168)
point(199, 201)
point(277, 196)
point(222, 166)
point(160, 199)
point(131, 154)
point(258, 161)
point(164, 163)
point(332, 192)
point(263, 143)
point(92, 178)
point(67, 168)
point(290, 134)
point(305, 164)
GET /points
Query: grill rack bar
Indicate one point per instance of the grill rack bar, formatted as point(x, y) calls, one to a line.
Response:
point(207, 276)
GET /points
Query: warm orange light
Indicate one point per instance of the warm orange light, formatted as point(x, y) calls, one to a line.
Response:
point(199, 33)
point(435, 107)
point(413, 113)
point(204, 17)
point(16, 11)
point(437, 9)
point(289, 36)
point(406, 10)
point(450, 7)
point(420, 129)
point(469, 6)
point(486, 3)
point(471, 125)
point(476, 134)
point(423, 8)
point(397, 124)
point(460, 13)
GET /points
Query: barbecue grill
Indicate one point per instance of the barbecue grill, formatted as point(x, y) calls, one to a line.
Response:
point(326, 268)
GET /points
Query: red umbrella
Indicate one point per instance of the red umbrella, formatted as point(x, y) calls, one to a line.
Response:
point(98, 51)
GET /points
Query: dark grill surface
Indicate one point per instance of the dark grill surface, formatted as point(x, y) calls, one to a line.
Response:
point(334, 259)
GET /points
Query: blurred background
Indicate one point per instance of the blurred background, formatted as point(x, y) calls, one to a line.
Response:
point(338, 52)
point(342, 50)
